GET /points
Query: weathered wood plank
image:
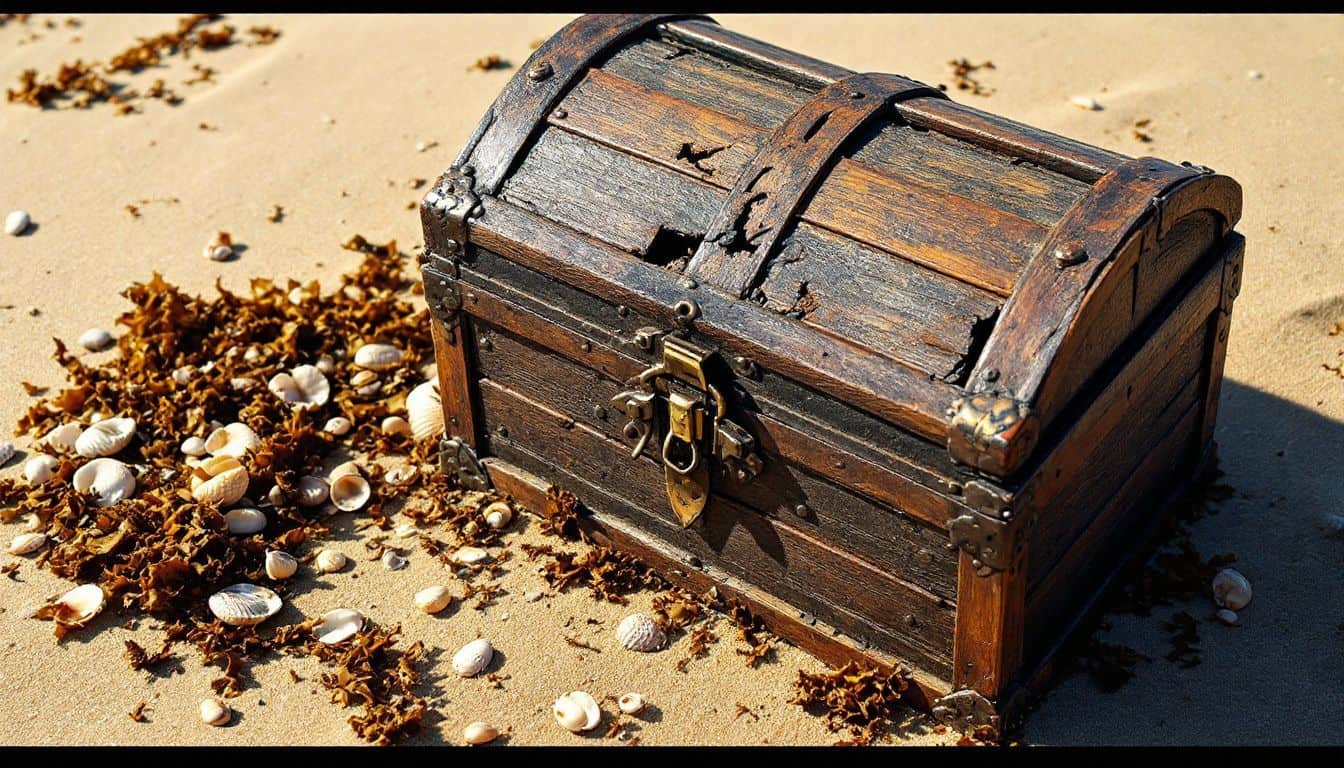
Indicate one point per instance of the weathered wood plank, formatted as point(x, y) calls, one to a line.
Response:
point(1162, 267)
point(452, 355)
point(987, 649)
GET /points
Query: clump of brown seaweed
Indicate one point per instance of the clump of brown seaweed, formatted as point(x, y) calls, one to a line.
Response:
point(861, 700)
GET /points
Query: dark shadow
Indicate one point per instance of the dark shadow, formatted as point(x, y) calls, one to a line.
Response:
point(30, 230)
point(1274, 679)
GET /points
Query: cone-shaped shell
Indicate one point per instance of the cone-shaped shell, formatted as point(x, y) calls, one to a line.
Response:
point(433, 599)
point(303, 387)
point(424, 410)
point(80, 604)
point(243, 605)
point(26, 542)
point(245, 521)
point(350, 493)
point(378, 357)
point(105, 438)
point(1231, 590)
point(479, 733)
point(340, 624)
point(280, 565)
point(577, 711)
point(220, 480)
point(108, 479)
point(498, 514)
point(40, 468)
point(215, 712)
point(638, 633)
point(631, 703)
point(472, 658)
point(232, 440)
point(62, 439)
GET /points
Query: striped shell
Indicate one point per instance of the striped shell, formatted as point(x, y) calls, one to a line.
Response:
point(313, 491)
point(424, 410)
point(637, 632)
point(232, 440)
point(105, 438)
point(378, 357)
point(62, 439)
point(108, 479)
point(1231, 590)
point(26, 542)
point(280, 565)
point(220, 480)
point(243, 605)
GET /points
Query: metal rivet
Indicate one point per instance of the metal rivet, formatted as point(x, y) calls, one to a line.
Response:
point(910, 620)
point(468, 170)
point(1069, 254)
point(623, 310)
point(992, 374)
point(689, 284)
point(855, 95)
point(837, 463)
point(953, 487)
point(802, 510)
point(473, 298)
point(599, 412)
point(560, 114)
point(540, 71)
point(586, 346)
point(502, 431)
point(487, 344)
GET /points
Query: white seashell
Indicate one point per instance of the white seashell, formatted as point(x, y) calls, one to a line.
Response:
point(6, 452)
point(33, 524)
point(470, 556)
point(363, 377)
point(395, 425)
point(217, 252)
point(350, 492)
point(1085, 102)
point(1253, 74)
point(1229, 618)
point(479, 733)
point(498, 514)
point(340, 624)
point(108, 479)
point(193, 446)
point(424, 410)
point(26, 542)
point(243, 605)
point(40, 468)
point(577, 711)
point(392, 561)
point(63, 438)
point(232, 440)
point(1231, 590)
point(533, 595)
point(215, 712)
point(638, 633)
point(280, 565)
point(219, 480)
point(337, 426)
point(81, 603)
point(405, 530)
point(400, 474)
point(433, 599)
point(326, 365)
point(245, 521)
point(472, 658)
point(378, 357)
point(303, 387)
point(95, 339)
point(275, 496)
point(330, 561)
point(346, 468)
point(631, 703)
point(17, 222)
point(313, 491)
point(105, 438)
point(240, 383)
point(183, 374)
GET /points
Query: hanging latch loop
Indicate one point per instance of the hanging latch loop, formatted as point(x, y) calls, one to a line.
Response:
point(676, 396)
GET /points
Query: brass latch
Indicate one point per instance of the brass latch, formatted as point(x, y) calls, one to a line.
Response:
point(676, 396)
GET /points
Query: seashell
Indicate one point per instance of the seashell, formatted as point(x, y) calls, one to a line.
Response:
point(479, 733)
point(424, 410)
point(193, 446)
point(638, 633)
point(275, 496)
point(349, 493)
point(533, 595)
point(108, 479)
point(378, 357)
point(313, 491)
point(215, 712)
point(395, 425)
point(183, 374)
point(326, 365)
point(303, 387)
point(1253, 74)
point(400, 474)
point(240, 383)
point(232, 440)
point(472, 658)
point(95, 339)
point(1086, 102)
point(330, 561)
point(219, 480)
point(243, 605)
point(393, 561)
point(433, 599)
point(631, 703)
point(577, 711)
point(26, 542)
point(40, 468)
point(63, 438)
point(340, 624)
point(346, 468)
point(105, 438)
point(470, 556)
point(6, 452)
point(1229, 618)
point(17, 222)
point(405, 530)
point(33, 524)
point(280, 565)
point(80, 604)
point(366, 383)
point(217, 252)
point(498, 514)
point(1231, 590)
point(337, 426)
point(245, 521)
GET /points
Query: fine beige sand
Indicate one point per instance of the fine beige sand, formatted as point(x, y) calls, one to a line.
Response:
point(390, 82)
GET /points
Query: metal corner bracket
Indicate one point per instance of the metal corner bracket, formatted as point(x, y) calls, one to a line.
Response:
point(458, 461)
point(966, 710)
point(991, 534)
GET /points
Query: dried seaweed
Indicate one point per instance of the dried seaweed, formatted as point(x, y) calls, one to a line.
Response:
point(1139, 134)
point(860, 700)
point(488, 62)
point(141, 660)
point(962, 76)
point(609, 575)
point(138, 713)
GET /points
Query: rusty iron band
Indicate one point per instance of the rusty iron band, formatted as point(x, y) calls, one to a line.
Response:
point(772, 188)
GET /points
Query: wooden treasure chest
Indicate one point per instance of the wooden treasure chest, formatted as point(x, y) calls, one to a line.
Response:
point(909, 379)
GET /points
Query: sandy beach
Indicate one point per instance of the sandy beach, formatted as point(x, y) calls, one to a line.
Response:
point(336, 119)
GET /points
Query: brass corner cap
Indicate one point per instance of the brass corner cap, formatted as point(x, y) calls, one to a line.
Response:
point(991, 432)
